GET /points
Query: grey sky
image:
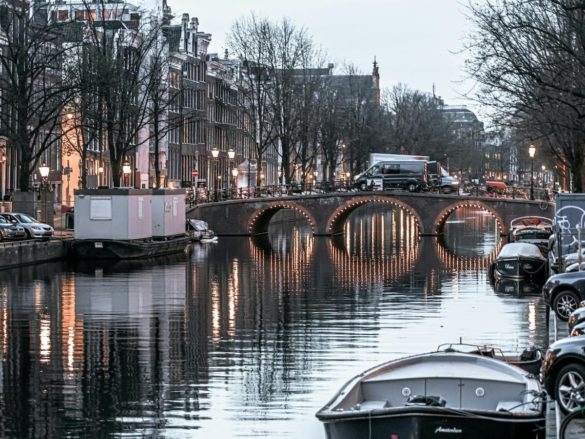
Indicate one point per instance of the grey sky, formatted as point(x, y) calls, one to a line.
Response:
point(411, 39)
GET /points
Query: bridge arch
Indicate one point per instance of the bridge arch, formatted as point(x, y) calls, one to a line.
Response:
point(441, 218)
point(339, 216)
point(260, 219)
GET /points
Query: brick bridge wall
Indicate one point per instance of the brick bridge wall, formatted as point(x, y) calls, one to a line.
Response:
point(326, 213)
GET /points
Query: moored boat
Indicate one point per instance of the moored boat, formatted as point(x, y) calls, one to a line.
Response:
point(199, 230)
point(519, 260)
point(438, 394)
point(531, 229)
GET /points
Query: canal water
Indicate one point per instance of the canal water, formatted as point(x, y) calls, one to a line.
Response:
point(245, 338)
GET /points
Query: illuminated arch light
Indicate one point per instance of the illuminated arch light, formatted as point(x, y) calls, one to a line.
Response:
point(444, 214)
point(354, 204)
point(278, 206)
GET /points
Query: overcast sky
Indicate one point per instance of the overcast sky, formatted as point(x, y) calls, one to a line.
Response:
point(414, 41)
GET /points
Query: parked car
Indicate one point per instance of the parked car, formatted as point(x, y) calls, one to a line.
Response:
point(11, 231)
point(563, 292)
point(577, 316)
point(578, 329)
point(33, 228)
point(563, 373)
point(411, 175)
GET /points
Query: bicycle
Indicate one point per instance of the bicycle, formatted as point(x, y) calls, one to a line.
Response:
point(573, 426)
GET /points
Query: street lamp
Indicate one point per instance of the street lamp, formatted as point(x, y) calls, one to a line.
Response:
point(543, 176)
point(126, 172)
point(531, 152)
point(215, 155)
point(44, 171)
point(235, 176)
point(231, 156)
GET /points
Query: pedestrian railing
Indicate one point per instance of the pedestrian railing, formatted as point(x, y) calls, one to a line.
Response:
point(203, 195)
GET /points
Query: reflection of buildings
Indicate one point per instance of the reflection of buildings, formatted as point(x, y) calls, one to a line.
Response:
point(78, 349)
point(126, 349)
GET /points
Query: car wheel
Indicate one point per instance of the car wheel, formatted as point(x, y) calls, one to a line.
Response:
point(412, 187)
point(565, 303)
point(446, 190)
point(570, 387)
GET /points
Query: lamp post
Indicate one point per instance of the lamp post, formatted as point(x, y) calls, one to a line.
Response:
point(44, 171)
point(531, 152)
point(543, 176)
point(3, 164)
point(215, 155)
point(126, 172)
point(231, 156)
point(235, 176)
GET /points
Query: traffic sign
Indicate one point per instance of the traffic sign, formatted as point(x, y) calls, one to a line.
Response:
point(194, 172)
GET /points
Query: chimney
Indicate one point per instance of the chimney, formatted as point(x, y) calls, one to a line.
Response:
point(194, 24)
point(184, 37)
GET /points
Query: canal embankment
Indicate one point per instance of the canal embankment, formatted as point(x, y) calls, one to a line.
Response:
point(32, 251)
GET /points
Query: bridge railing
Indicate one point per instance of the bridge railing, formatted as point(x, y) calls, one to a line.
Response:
point(202, 195)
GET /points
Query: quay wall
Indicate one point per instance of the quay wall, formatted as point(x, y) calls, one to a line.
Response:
point(15, 254)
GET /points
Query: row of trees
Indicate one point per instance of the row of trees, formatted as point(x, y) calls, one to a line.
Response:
point(86, 82)
point(297, 104)
point(101, 82)
point(529, 59)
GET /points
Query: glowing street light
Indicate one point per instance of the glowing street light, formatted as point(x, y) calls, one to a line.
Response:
point(44, 171)
point(531, 152)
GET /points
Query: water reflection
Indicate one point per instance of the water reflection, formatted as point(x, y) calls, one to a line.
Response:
point(244, 338)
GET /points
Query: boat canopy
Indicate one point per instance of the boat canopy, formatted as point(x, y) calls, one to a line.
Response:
point(531, 221)
point(520, 249)
point(198, 225)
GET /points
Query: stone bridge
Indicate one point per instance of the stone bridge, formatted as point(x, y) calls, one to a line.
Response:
point(327, 213)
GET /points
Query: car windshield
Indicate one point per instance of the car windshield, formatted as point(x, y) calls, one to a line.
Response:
point(25, 218)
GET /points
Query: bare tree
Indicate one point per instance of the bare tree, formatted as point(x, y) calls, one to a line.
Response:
point(120, 68)
point(417, 124)
point(248, 40)
point(529, 58)
point(32, 93)
point(361, 110)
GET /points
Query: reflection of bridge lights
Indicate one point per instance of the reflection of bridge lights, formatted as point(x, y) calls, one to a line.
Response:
point(233, 297)
point(352, 270)
point(215, 311)
point(4, 319)
point(454, 262)
point(288, 262)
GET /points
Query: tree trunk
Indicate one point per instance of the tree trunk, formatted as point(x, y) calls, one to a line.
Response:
point(83, 168)
point(259, 168)
point(156, 146)
point(578, 173)
point(24, 175)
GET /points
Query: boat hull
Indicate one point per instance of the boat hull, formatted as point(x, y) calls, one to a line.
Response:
point(426, 424)
point(520, 268)
point(130, 249)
